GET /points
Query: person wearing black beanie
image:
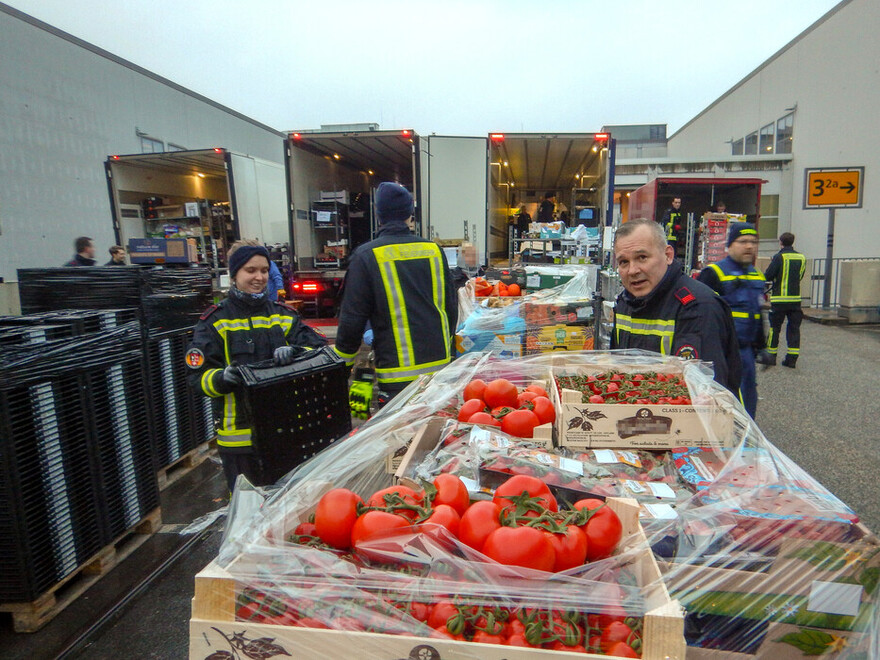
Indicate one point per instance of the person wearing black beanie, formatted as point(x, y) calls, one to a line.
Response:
point(741, 285)
point(244, 328)
point(401, 285)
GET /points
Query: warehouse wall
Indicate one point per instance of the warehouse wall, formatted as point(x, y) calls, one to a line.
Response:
point(64, 107)
point(830, 74)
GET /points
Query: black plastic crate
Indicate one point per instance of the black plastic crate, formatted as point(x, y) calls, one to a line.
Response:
point(296, 410)
point(51, 511)
point(118, 407)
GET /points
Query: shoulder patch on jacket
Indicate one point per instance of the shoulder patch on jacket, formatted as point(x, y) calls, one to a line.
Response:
point(684, 295)
point(208, 312)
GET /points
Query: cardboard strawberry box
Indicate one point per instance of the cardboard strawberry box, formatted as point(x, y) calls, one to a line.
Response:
point(636, 425)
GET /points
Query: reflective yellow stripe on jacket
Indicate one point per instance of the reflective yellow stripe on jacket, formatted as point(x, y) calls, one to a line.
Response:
point(787, 262)
point(757, 275)
point(661, 328)
point(387, 257)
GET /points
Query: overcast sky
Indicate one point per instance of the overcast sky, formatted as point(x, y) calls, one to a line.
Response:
point(449, 67)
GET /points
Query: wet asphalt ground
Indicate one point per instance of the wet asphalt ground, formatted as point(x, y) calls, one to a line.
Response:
point(824, 415)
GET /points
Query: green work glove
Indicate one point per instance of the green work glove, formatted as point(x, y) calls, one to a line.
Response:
point(360, 395)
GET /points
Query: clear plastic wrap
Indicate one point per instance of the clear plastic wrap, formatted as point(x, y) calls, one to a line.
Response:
point(764, 561)
point(545, 320)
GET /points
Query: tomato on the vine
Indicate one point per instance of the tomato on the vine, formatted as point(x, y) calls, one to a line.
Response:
point(469, 408)
point(524, 397)
point(480, 520)
point(614, 632)
point(444, 516)
point(597, 398)
point(452, 491)
point(537, 389)
point(528, 547)
point(544, 409)
point(474, 389)
point(375, 523)
point(604, 529)
point(570, 548)
point(484, 418)
point(520, 423)
point(500, 392)
point(532, 486)
point(401, 496)
point(335, 516)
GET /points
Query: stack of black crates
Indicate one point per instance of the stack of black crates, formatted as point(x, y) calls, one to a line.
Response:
point(76, 459)
point(93, 402)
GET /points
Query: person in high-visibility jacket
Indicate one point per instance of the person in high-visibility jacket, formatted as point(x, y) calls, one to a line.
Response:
point(785, 272)
point(663, 310)
point(674, 223)
point(736, 279)
point(401, 284)
point(243, 329)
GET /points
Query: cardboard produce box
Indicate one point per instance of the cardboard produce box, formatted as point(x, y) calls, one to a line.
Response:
point(643, 426)
point(559, 337)
point(214, 627)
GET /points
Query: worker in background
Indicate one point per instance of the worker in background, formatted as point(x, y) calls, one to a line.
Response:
point(466, 267)
point(276, 282)
point(401, 284)
point(85, 252)
point(785, 272)
point(547, 207)
point(117, 256)
point(523, 220)
point(736, 279)
point(674, 224)
point(663, 310)
point(720, 206)
point(246, 327)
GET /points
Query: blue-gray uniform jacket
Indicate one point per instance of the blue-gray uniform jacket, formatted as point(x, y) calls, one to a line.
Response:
point(680, 317)
point(742, 288)
point(401, 284)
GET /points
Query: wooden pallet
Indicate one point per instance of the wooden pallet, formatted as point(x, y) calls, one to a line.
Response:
point(185, 464)
point(31, 616)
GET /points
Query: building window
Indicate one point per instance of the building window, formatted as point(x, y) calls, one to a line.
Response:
point(751, 144)
point(175, 147)
point(737, 147)
point(784, 132)
point(151, 146)
point(768, 226)
point(766, 144)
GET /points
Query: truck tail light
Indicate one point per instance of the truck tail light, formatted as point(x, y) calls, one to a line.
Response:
point(497, 137)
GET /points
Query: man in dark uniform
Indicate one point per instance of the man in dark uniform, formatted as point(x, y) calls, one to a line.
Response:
point(401, 284)
point(85, 252)
point(736, 279)
point(674, 224)
point(665, 311)
point(547, 207)
point(785, 272)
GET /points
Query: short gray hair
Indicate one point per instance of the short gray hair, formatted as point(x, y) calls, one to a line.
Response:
point(629, 228)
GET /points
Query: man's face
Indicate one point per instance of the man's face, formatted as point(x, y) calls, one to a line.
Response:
point(744, 250)
point(721, 208)
point(90, 251)
point(676, 203)
point(119, 256)
point(641, 262)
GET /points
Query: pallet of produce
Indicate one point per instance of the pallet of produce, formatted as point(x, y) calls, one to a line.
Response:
point(633, 406)
point(817, 598)
point(426, 573)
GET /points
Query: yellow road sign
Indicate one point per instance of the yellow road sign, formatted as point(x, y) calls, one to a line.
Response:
point(833, 187)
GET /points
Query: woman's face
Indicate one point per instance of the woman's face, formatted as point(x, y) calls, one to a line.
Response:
point(253, 276)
